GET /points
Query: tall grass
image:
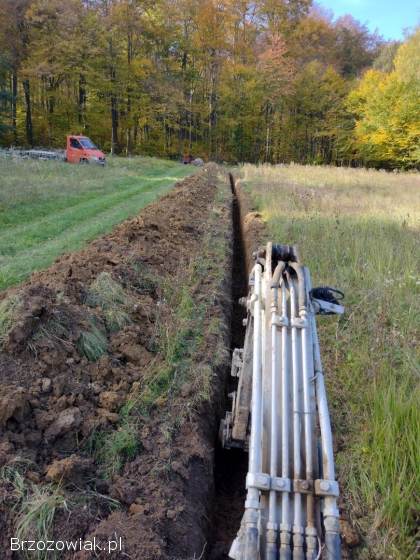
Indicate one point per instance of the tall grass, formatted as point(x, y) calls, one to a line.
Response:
point(48, 208)
point(35, 507)
point(109, 295)
point(359, 230)
point(92, 343)
point(8, 311)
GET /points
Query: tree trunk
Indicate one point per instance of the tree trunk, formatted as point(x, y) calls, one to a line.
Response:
point(190, 120)
point(114, 100)
point(211, 114)
point(212, 101)
point(129, 92)
point(14, 103)
point(82, 100)
point(114, 124)
point(268, 123)
point(28, 121)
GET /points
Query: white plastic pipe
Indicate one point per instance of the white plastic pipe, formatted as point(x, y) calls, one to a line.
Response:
point(308, 411)
point(297, 529)
point(272, 526)
point(287, 390)
point(266, 393)
point(330, 510)
point(308, 372)
point(285, 526)
point(255, 451)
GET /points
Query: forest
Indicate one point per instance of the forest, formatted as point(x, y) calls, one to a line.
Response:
point(228, 80)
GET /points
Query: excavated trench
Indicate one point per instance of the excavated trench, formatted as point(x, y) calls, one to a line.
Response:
point(58, 400)
point(175, 494)
point(231, 465)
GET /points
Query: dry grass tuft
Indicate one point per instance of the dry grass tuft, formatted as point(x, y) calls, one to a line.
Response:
point(9, 308)
point(36, 507)
point(109, 295)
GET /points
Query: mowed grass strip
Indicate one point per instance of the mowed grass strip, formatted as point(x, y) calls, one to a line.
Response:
point(359, 230)
point(48, 208)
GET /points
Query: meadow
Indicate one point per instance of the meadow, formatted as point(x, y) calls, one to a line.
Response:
point(48, 208)
point(358, 230)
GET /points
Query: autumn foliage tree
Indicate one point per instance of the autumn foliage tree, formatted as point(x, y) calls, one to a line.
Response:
point(224, 79)
point(386, 108)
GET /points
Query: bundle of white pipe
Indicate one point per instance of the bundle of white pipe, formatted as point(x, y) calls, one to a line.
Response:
point(291, 504)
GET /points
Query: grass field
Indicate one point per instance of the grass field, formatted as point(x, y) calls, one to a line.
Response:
point(359, 230)
point(48, 208)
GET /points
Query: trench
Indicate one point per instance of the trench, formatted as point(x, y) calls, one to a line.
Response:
point(231, 465)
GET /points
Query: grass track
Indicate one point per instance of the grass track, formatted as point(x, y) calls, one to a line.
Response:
point(48, 208)
point(359, 230)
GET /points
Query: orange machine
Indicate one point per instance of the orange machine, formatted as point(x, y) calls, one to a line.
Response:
point(81, 149)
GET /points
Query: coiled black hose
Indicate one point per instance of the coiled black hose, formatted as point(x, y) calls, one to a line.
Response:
point(326, 293)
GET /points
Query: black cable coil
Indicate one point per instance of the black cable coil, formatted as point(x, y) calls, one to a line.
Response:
point(326, 293)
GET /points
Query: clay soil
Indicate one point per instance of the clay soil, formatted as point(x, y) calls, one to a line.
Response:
point(53, 399)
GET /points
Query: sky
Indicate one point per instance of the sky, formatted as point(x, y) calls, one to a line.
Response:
point(389, 17)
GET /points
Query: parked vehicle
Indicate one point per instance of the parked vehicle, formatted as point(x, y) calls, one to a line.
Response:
point(187, 159)
point(81, 149)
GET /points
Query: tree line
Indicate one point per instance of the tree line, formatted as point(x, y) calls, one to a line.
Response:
point(230, 80)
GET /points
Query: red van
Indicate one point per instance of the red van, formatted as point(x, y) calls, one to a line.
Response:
point(81, 149)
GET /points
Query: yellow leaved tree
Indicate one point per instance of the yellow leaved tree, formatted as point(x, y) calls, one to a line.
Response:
point(386, 107)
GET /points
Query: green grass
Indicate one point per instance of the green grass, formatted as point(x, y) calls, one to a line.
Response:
point(36, 517)
point(179, 340)
point(180, 343)
point(92, 343)
point(35, 507)
point(8, 311)
point(359, 230)
point(107, 294)
point(48, 208)
point(184, 337)
point(113, 449)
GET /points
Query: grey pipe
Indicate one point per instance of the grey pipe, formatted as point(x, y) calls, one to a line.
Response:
point(307, 375)
point(283, 379)
point(272, 525)
point(277, 276)
point(252, 501)
point(330, 510)
point(285, 526)
point(302, 300)
point(297, 529)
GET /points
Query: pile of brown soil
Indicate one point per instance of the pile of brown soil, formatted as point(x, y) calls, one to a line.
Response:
point(67, 366)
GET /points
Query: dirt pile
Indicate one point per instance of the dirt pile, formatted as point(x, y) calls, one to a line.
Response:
point(83, 339)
